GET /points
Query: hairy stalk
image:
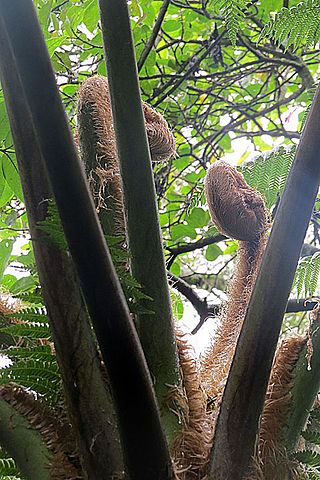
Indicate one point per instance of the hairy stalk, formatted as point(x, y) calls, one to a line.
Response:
point(271, 460)
point(156, 330)
point(48, 450)
point(238, 211)
point(98, 150)
point(191, 447)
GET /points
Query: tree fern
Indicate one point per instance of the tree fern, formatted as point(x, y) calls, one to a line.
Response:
point(268, 172)
point(295, 26)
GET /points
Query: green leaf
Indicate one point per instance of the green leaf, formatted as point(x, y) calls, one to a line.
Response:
point(182, 231)
point(5, 253)
point(198, 218)
point(24, 284)
point(172, 25)
point(212, 252)
point(175, 268)
point(11, 175)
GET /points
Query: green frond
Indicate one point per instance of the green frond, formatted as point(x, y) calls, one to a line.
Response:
point(8, 468)
point(35, 314)
point(233, 12)
point(40, 376)
point(52, 226)
point(295, 26)
point(312, 436)
point(268, 173)
point(30, 331)
point(309, 457)
point(313, 474)
point(40, 352)
point(307, 275)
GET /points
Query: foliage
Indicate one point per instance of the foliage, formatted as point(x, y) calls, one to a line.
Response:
point(307, 275)
point(225, 76)
point(295, 26)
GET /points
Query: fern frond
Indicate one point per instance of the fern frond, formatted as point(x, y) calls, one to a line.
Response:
point(31, 331)
point(42, 377)
point(295, 26)
point(312, 436)
point(268, 172)
point(309, 457)
point(313, 474)
point(8, 468)
point(40, 352)
point(36, 314)
point(233, 12)
point(53, 227)
point(307, 275)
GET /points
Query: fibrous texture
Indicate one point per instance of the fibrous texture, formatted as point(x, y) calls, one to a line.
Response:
point(96, 138)
point(271, 462)
point(99, 153)
point(57, 436)
point(192, 446)
point(238, 211)
point(9, 305)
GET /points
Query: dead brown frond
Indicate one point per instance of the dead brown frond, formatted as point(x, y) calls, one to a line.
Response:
point(9, 305)
point(272, 462)
point(192, 446)
point(56, 434)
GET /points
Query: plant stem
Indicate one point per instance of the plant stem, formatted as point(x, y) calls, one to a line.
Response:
point(24, 443)
point(156, 330)
point(244, 394)
point(145, 448)
point(306, 384)
point(92, 416)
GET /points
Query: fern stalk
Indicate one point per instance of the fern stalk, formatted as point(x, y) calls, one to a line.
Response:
point(93, 416)
point(144, 444)
point(156, 330)
point(24, 443)
point(237, 426)
point(306, 385)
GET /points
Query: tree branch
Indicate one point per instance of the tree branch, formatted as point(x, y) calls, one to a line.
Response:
point(150, 43)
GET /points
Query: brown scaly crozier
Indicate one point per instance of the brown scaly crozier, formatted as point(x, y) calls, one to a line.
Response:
point(239, 212)
point(98, 151)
